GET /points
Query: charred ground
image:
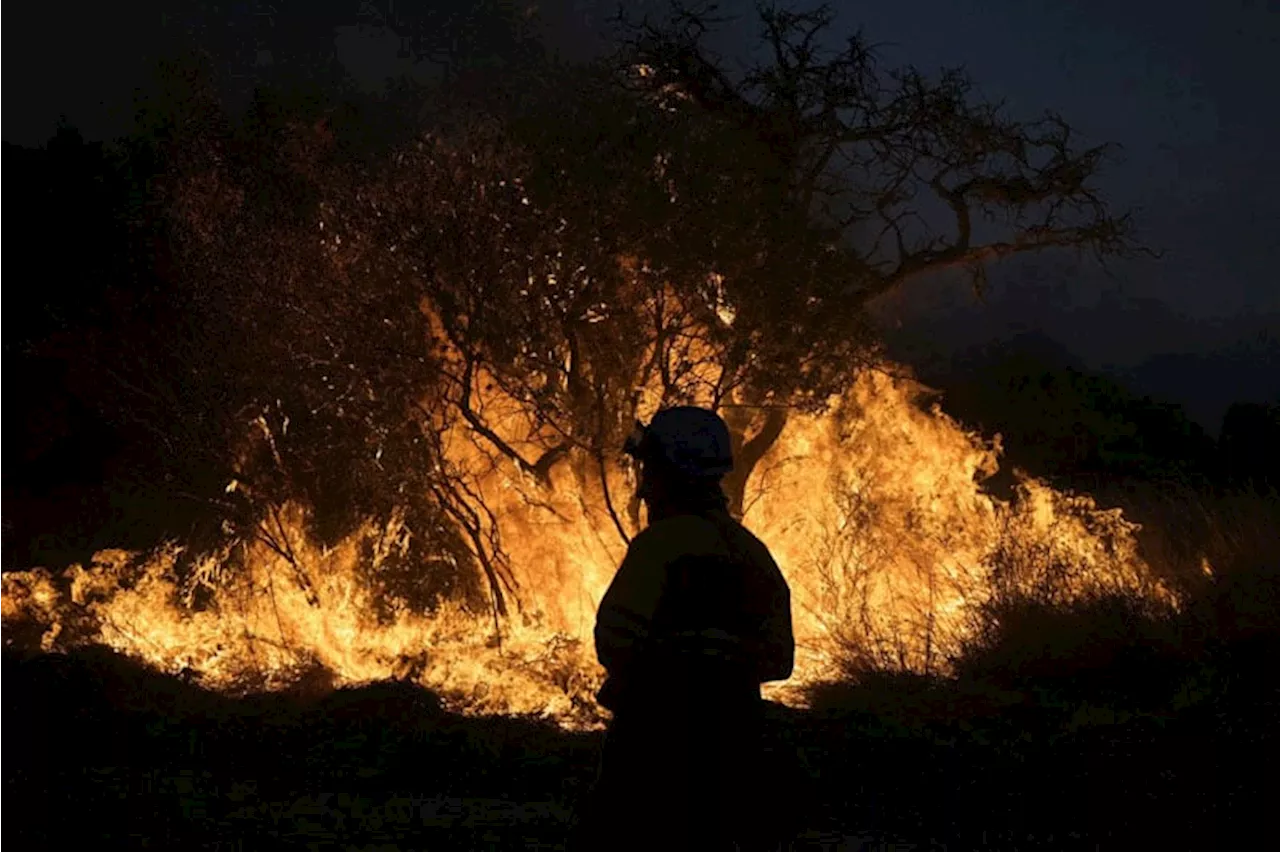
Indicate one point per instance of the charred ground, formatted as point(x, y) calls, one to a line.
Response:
point(1109, 733)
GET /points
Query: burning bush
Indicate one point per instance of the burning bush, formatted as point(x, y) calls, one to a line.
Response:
point(876, 513)
point(394, 386)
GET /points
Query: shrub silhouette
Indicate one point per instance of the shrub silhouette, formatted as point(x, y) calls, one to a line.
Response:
point(1111, 647)
point(1249, 445)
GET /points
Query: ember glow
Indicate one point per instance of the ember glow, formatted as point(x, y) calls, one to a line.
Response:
point(874, 510)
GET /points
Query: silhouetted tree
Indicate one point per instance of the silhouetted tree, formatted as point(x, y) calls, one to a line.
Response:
point(865, 178)
point(1249, 444)
point(1063, 421)
point(76, 253)
point(726, 232)
point(567, 236)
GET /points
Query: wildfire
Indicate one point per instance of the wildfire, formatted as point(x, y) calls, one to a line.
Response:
point(875, 512)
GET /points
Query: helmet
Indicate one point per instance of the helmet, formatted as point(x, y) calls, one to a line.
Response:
point(695, 441)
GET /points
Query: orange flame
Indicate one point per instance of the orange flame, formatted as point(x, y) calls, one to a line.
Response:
point(875, 512)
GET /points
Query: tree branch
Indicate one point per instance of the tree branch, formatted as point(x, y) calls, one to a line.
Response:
point(540, 470)
point(910, 133)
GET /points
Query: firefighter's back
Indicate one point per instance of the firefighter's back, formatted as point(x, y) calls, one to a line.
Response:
point(683, 760)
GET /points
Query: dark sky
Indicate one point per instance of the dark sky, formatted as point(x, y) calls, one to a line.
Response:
point(1189, 90)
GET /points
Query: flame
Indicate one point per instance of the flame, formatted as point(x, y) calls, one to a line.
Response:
point(875, 511)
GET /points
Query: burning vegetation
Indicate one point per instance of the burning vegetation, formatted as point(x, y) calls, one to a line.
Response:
point(875, 509)
point(384, 390)
point(319, 446)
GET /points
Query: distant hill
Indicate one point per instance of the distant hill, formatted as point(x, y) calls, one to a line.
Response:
point(1059, 418)
point(1246, 371)
point(1204, 363)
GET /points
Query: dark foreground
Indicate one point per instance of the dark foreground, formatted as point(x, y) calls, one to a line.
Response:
point(97, 749)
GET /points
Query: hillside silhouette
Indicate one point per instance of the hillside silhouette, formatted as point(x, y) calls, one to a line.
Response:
point(1074, 425)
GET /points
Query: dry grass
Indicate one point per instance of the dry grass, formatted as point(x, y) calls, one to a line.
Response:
point(1191, 536)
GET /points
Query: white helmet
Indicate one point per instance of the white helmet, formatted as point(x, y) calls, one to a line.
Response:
point(695, 441)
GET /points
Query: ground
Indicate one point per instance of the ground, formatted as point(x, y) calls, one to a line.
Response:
point(101, 749)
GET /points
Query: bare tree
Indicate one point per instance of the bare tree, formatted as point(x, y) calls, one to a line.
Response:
point(896, 174)
point(652, 225)
point(657, 219)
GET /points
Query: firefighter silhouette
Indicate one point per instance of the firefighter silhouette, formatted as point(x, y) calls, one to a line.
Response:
point(697, 617)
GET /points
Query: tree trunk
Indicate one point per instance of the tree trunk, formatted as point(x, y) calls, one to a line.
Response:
point(747, 453)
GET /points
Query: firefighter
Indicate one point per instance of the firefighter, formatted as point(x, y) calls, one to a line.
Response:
point(697, 617)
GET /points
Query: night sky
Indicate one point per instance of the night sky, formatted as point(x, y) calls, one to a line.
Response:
point(1189, 90)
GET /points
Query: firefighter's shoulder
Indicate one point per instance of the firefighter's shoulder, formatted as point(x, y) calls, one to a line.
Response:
point(681, 535)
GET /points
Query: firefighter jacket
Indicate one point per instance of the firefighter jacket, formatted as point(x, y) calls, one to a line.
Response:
point(697, 600)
